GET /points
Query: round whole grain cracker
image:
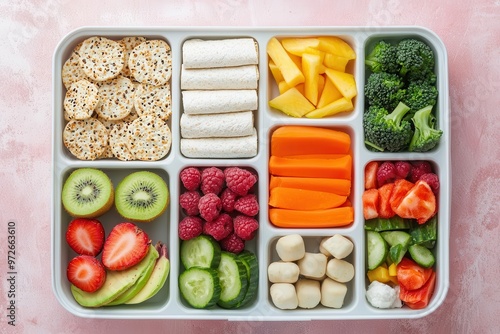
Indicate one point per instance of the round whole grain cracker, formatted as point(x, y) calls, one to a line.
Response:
point(150, 99)
point(116, 99)
point(149, 138)
point(81, 99)
point(101, 58)
point(72, 71)
point(129, 43)
point(85, 139)
point(151, 62)
point(118, 138)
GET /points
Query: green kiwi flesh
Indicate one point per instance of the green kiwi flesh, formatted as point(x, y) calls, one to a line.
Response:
point(141, 196)
point(87, 193)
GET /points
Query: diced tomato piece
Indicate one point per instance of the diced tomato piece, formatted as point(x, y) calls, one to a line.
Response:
point(370, 203)
point(410, 275)
point(371, 174)
point(418, 203)
point(401, 188)
point(385, 210)
point(419, 298)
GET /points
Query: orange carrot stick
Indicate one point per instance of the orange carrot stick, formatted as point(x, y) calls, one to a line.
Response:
point(316, 156)
point(300, 199)
point(297, 140)
point(335, 217)
point(336, 186)
point(331, 168)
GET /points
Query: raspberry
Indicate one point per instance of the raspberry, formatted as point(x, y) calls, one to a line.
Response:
point(248, 205)
point(190, 178)
point(228, 198)
point(190, 227)
point(239, 180)
point(418, 169)
point(402, 169)
point(245, 227)
point(189, 202)
point(219, 228)
point(232, 243)
point(386, 173)
point(432, 180)
point(212, 180)
point(209, 206)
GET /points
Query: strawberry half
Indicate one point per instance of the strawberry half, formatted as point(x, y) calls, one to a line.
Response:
point(125, 246)
point(371, 174)
point(384, 209)
point(85, 236)
point(86, 273)
point(371, 201)
point(419, 203)
point(401, 188)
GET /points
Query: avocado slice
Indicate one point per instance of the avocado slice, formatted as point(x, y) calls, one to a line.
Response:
point(117, 282)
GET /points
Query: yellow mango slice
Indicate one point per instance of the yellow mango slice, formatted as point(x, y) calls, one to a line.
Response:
point(335, 62)
point(310, 68)
point(297, 46)
point(292, 103)
point(283, 87)
point(335, 107)
point(290, 71)
point(321, 85)
point(344, 82)
point(329, 94)
point(275, 71)
point(337, 46)
point(316, 52)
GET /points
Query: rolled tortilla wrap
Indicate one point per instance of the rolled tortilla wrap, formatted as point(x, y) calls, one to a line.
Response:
point(218, 101)
point(197, 53)
point(236, 147)
point(234, 124)
point(239, 77)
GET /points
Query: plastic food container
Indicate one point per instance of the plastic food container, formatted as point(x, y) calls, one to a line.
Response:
point(168, 303)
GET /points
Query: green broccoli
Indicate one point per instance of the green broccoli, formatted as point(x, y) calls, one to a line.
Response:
point(414, 56)
point(387, 131)
point(426, 136)
point(384, 90)
point(420, 94)
point(383, 58)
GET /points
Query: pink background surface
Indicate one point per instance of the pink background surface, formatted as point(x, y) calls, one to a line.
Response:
point(471, 32)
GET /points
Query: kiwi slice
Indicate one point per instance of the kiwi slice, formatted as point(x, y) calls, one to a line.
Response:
point(141, 196)
point(87, 193)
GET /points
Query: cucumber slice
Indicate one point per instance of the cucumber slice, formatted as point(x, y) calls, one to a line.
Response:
point(396, 238)
point(425, 234)
point(387, 224)
point(233, 280)
point(422, 255)
point(200, 287)
point(202, 251)
point(251, 264)
point(377, 249)
point(397, 252)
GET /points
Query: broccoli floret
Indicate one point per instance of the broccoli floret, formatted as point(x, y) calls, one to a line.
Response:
point(427, 77)
point(420, 94)
point(383, 58)
point(387, 131)
point(384, 90)
point(426, 136)
point(414, 56)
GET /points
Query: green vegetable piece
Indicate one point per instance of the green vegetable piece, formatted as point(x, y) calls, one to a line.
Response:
point(387, 224)
point(425, 234)
point(377, 249)
point(383, 58)
point(414, 56)
point(397, 238)
point(397, 252)
point(426, 136)
point(422, 255)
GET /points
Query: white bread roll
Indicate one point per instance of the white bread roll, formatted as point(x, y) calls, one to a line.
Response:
point(218, 101)
point(235, 124)
point(238, 77)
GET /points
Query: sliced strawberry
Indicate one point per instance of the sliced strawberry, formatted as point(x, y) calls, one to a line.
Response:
point(384, 209)
point(418, 203)
point(401, 188)
point(85, 236)
point(410, 275)
point(371, 200)
point(125, 246)
point(371, 174)
point(86, 273)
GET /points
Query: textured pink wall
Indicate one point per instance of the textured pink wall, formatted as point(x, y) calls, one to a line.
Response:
point(471, 32)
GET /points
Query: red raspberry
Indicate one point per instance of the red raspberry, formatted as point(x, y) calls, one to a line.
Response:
point(209, 206)
point(228, 198)
point(386, 173)
point(418, 169)
point(432, 180)
point(232, 243)
point(247, 205)
point(245, 227)
point(239, 180)
point(189, 202)
point(219, 228)
point(190, 227)
point(212, 180)
point(402, 169)
point(190, 178)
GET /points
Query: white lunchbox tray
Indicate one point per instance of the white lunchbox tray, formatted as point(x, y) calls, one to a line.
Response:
point(168, 304)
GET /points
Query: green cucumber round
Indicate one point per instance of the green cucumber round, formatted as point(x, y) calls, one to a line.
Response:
point(202, 251)
point(200, 287)
point(233, 280)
